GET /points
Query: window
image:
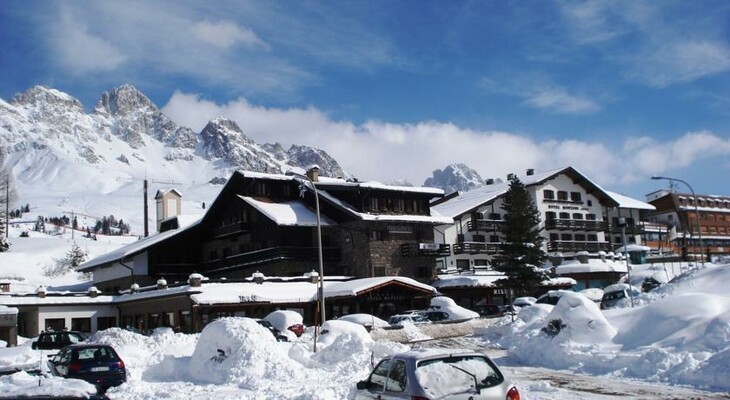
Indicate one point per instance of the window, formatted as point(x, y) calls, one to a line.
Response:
point(55, 324)
point(494, 238)
point(495, 216)
point(379, 271)
point(577, 216)
point(591, 217)
point(550, 215)
point(548, 194)
point(478, 238)
point(214, 255)
point(373, 204)
point(576, 197)
point(226, 252)
point(105, 323)
point(564, 215)
point(554, 237)
point(81, 324)
point(562, 195)
point(481, 262)
point(377, 235)
point(592, 237)
point(397, 377)
point(579, 237)
point(566, 237)
point(462, 264)
point(589, 203)
point(379, 377)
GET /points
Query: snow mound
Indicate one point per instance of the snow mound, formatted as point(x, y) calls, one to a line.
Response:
point(24, 385)
point(582, 319)
point(456, 312)
point(241, 352)
point(365, 320)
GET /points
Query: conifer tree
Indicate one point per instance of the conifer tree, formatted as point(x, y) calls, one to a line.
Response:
point(521, 252)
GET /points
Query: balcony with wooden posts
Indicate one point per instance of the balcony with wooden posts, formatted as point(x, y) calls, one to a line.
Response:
point(573, 246)
point(476, 247)
point(485, 225)
point(231, 229)
point(576, 225)
point(413, 249)
point(329, 254)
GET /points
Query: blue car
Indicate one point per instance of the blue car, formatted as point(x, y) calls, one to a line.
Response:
point(97, 364)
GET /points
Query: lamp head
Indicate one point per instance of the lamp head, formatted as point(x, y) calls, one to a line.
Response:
point(656, 177)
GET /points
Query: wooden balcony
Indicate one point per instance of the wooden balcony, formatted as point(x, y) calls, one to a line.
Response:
point(238, 227)
point(636, 229)
point(476, 248)
point(329, 254)
point(485, 225)
point(576, 225)
point(570, 246)
point(425, 249)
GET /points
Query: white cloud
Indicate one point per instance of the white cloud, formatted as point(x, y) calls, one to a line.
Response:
point(559, 101)
point(384, 151)
point(225, 34)
point(80, 50)
point(682, 62)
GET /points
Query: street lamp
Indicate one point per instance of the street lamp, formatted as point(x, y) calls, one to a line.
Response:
point(320, 289)
point(697, 211)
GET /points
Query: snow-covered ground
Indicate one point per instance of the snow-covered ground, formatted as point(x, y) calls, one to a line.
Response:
point(676, 335)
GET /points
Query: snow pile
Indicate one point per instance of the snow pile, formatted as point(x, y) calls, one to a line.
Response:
point(365, 320)
point(22, 385)
point(679, 333)
point(20, 357)
point(283, 319)
point(456, 312)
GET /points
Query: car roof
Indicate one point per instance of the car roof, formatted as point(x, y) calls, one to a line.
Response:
point(429, 353)
point(77, 346)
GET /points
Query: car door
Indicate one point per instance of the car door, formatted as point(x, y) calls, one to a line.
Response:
point(59, 363)
point(387, 382)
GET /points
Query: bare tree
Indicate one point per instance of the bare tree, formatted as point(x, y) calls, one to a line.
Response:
point(7, 196)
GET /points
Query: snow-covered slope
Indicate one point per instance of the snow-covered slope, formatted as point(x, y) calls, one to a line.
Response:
point(63, 158)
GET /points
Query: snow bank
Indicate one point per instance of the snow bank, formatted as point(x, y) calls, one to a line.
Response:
point(22, 384)
point(365, 320)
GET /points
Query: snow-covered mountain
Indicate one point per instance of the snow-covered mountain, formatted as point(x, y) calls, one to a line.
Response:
point(455, 177)
point(62, 156)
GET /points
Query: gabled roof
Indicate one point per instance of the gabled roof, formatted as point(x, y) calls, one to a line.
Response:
point(468, 201)
point(287, 213)
point(434, 218)
point(628, 202)
point(161, 193)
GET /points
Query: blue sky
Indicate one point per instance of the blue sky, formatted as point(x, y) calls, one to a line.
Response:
point(621, 90)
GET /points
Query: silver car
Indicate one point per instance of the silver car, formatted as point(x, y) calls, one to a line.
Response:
point(429, 374)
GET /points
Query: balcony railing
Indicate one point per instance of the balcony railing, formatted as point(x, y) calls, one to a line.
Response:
point(576, 225)
point(424, 249)
point(485, 225)
point(476, 248)
point(578, 246)
point(630, 229)
point(273, 254)
point(231, 229)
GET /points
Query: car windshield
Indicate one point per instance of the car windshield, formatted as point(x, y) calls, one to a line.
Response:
point(456, 374)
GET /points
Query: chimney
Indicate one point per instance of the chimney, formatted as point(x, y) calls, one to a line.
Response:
point(195, 280)
point(313, 173)
point(490, 181)
point(530, 172)
point(40, 292)
point(511, 176)
point(258, 277)
point(161, 283)
point(168, 205)
point(313, 276)
point(93, 292)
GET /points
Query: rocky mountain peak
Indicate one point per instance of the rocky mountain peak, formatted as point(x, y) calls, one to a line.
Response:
point(46, 99)
point(455, 177)
point(124, 100)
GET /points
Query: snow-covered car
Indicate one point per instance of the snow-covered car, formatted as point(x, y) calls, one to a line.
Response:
point(524, 301)
point(414, 318)
point(437, 374)
point(369, 321)
point(552, 297)
point(613, 294)
point(287, 321)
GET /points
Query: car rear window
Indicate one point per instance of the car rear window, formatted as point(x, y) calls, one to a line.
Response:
point(95, 353)
point(456, 374)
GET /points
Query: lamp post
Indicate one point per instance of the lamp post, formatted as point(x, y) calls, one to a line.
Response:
point(697, 211)
point(320, 289)
point(622, 224)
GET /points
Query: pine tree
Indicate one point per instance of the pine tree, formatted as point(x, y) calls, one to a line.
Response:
point(68, 263)
point(521, 252)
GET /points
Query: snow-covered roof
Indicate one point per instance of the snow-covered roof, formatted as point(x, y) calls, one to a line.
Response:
point(467, 201)
point(631, 248)
point(434, 218)
point(246, 292)
point(324, 182)
point(593, 265)
point(134, 248)
point(628, 202)
point(4, 310)
point(54, 300)
point(288, 213)
point(470, 280)
point(357, 286)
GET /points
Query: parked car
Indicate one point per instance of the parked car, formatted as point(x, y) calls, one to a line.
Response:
point(57, 340)
point(369, 321)
point(436, 316)
point(613, 294)
point(277, 334)
point(414, 318)
point(488, 310)
point(437, 374)
point(287, 321)
point(97, 364)
point(552, 297)
point(524, 301)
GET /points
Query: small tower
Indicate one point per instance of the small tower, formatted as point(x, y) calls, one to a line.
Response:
point(168, 205)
